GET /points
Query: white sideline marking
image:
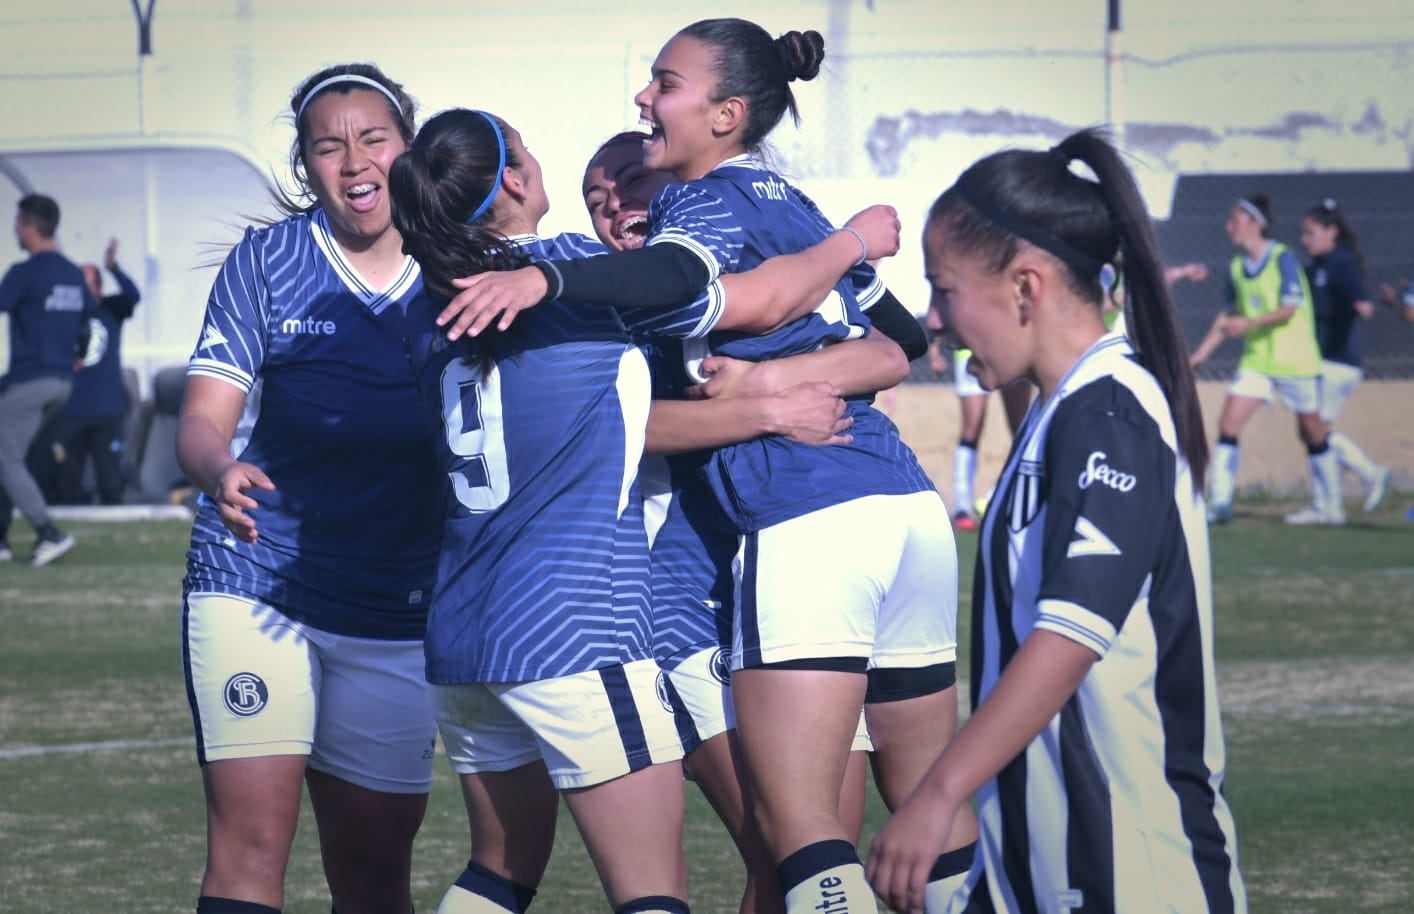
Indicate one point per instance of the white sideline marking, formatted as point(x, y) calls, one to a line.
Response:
point(29, 751)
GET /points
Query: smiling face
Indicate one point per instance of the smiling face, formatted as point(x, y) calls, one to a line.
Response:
point(976, 310)
point(617, 190)
point(688, 137)
point(351, 141)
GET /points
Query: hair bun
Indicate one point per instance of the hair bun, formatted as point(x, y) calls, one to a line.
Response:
point(1329, 205)
point(801, 54)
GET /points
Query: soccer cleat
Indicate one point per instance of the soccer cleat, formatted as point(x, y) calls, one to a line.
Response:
point(47, 550)
point(1311, 516)
point(1378, 486)
point(1220, 514)
point(964, 522)
point(5, 553)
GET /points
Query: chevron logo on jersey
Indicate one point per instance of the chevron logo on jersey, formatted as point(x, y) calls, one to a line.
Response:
point(1026, 494)
point(212, 337)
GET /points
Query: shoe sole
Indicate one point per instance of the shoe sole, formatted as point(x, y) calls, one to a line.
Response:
point(57, 550)
point(1377, 492)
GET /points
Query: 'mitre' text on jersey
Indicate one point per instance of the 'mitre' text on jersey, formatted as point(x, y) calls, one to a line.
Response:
point(348, 541)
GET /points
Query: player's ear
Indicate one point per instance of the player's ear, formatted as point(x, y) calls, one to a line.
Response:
point(514, 184)
point(729, 115)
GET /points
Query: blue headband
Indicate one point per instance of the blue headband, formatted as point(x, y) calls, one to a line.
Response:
point(500, 169)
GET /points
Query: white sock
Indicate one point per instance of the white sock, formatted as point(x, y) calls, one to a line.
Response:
point(1353, 458)
point(826, 878)
point(964, 473)
point(1325, 481)
point(1225, 459)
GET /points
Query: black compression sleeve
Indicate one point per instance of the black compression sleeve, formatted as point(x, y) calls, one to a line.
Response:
point(658, 276)
point(897, 323)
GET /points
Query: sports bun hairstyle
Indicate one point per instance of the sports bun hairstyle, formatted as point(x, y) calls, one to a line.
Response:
point(801, 53)
point(751, 65)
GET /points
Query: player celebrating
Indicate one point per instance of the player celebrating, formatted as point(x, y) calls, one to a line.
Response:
point(1275, 317)
point(693, 542)
point(314, 550)
point(885, 605)
point(1094, 747)
point(1338, 292)
point(538, 639)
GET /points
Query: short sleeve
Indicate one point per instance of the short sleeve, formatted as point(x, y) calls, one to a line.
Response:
point(1111, 481)
point(690, 321)
point(1293, 286)
point(688, 215)
point(234, 330)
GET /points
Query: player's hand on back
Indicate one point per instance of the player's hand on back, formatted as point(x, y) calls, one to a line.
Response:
point(811, 413)
point(491, 297)
point(232, 502)
point(879, 227)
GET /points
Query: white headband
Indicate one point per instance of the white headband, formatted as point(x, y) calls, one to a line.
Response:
point(1250, 209)
point(346, 78)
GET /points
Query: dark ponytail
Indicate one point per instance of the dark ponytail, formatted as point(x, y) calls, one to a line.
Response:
point(1015, 195)
point(450, 170)
point(750, 64)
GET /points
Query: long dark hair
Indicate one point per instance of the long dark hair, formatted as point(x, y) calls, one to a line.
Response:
point(1085, 224)
point(450, 170)
point(1329, 214)
point(750, 64)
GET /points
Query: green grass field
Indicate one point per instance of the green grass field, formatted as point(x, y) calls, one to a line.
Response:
point(1316, 650)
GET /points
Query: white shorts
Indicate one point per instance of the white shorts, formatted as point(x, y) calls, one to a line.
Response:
point(260, 684)
point(589, 728)
point(874, 578)
point(1338, 382)
point(702, 686)
point(963, 382)
point(1300, 395)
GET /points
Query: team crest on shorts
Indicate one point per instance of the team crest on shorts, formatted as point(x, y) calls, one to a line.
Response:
point(665, 691)
point(1025, 496)
point(720, 666)
point(246, 694)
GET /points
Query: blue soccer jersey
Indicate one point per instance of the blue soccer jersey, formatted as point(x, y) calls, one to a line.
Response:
point(692, 540)
point(545, 566)
point(734, 219)
point(349, 537)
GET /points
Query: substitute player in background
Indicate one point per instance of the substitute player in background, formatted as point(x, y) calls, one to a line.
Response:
point(314, 550)
point(1094, 747)
point(90, 423)
point(1269, 305)
point(1335, 274)
point(49, 308)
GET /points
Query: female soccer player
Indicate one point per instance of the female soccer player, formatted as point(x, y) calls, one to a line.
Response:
point(315, 546)
point(538, 641)
point(1334, 274)
point(1274, 315)
point(1094, 747)
point(847, 563)
point(692, 540)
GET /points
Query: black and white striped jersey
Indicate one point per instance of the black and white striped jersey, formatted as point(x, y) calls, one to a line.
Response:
point(1098, 534)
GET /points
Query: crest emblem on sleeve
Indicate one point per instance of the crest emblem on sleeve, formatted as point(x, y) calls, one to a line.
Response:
point(1024, 499)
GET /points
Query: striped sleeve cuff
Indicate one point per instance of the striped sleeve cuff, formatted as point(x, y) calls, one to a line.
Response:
point(1077, 623)
point(716, 306)
point(704, 253)
point(210, 368)
point(869, 297)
